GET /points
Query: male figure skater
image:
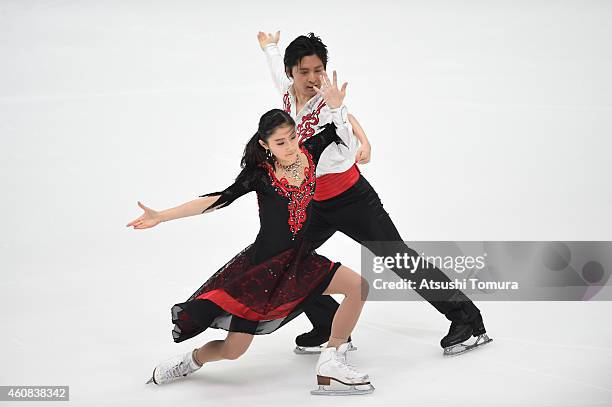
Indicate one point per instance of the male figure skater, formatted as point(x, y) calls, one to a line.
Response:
point(345, 201)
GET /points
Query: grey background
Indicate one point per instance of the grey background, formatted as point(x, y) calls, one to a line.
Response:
point(533, 270)
point(489, 121)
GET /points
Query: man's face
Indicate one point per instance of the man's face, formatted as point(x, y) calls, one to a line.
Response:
point(306, 74)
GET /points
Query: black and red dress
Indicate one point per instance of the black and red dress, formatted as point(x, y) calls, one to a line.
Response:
point(268, 283)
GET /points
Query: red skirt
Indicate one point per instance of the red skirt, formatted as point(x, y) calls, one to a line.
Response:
point(255, 298)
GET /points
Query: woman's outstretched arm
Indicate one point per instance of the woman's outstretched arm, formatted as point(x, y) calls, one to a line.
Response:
point(191, 208)
point(151, 217)
point(244, 183)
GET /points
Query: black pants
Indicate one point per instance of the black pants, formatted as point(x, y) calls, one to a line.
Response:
point(359, 214)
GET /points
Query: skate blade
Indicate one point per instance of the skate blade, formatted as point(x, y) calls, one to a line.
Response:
point(307, 350)
point(351, 390)
point(463, 348)
point(151, 380)
point(311, 350)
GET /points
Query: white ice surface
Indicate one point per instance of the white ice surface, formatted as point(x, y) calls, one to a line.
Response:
point(489, 121)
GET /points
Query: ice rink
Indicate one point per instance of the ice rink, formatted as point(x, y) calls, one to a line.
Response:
point(489, 120)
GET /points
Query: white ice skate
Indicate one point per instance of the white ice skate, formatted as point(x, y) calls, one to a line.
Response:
point(311, 350)
point(174, 368)
point(467, 345)
point(332, 366)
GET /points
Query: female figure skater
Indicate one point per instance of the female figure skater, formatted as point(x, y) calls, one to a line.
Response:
point(270, 282)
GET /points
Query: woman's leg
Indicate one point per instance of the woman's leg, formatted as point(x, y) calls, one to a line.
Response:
point(234, 346)
point(355, 290)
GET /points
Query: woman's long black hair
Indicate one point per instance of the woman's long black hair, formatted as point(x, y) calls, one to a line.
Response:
point(254, 153)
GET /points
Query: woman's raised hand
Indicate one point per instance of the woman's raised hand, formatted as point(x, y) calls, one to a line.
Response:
point(147, 220)
point(265, 39)
point(331, 94)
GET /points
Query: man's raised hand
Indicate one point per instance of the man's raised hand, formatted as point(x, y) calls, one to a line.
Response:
point(265, 39)
point(331, 94)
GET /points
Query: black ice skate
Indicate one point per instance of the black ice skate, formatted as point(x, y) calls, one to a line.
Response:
point(314, 342)
point(458, 340)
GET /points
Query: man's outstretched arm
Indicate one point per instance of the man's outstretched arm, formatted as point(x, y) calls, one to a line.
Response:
point(269, 44)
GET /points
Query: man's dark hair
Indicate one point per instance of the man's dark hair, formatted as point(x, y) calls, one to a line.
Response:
point(303, 46)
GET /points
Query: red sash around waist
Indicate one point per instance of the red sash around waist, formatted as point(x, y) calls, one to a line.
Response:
point(331, 185)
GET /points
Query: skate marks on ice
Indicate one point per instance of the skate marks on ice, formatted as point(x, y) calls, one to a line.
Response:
point(562, 354)
point(533, 363)
point(409, 333)
point(412, 334)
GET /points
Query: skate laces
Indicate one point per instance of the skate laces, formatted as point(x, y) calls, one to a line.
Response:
point(350, 368)
point(175, 371)
point(345, 365)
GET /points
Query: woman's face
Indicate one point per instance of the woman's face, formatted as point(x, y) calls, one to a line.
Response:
point(283, 144)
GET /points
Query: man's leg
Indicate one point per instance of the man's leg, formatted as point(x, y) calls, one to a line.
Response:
point(322, 310)
point(376, 230)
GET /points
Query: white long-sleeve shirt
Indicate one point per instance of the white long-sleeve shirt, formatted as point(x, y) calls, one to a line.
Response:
point(336, 158)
